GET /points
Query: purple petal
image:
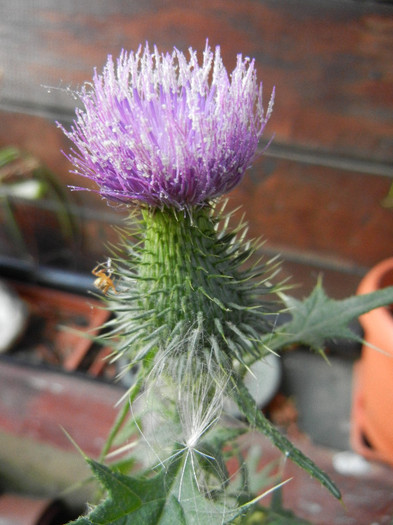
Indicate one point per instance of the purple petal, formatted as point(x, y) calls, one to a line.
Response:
point(160, 130)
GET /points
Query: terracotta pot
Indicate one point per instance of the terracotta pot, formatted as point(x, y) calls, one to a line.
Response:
point(47, 343)
point(21, 510)
point(372, 421)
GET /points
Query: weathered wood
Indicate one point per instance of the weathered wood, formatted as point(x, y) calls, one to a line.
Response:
point(318, 212)
point(316, 194)
point(30, 405)
point(330, 60)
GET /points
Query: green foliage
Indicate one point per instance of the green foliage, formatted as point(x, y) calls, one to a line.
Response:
point(22, 176)
point(172, 497)
point(275, 514)
point(169, 497)
point(319, 318)
point(257, 420)
point(314, 320)
point(188, 309)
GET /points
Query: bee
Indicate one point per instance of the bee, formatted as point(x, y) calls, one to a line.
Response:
point(103, 272)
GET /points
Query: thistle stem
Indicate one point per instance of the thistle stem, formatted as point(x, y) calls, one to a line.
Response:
point(121, 417)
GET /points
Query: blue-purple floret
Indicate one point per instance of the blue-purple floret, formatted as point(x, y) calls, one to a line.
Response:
point(167, 132)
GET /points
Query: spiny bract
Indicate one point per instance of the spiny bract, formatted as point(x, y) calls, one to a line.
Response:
point(185, 296)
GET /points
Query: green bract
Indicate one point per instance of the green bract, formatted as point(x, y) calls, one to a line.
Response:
point(184, 294)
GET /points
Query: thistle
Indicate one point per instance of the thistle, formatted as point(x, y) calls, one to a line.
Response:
point(165, 132)
point(167, 137)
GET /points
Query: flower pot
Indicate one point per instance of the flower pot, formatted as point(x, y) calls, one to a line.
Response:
point(21, 510)
point(372, 422)
point(60, 331)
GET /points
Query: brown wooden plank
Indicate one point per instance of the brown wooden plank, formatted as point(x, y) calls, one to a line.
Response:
point(30, 406)
point(331, 61)
point(37, 136)
point(318, 212)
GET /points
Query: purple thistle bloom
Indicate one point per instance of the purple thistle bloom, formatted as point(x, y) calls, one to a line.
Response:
point(168, 132)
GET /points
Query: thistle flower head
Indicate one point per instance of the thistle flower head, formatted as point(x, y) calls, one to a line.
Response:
point(166, 131)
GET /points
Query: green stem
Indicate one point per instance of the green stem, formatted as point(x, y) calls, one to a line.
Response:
point(11, 221)
point(256, 418)
point(121, 416)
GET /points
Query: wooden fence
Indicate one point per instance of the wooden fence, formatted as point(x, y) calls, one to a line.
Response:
point(315, 195)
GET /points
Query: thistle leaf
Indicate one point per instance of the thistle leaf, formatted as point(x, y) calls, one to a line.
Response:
point(171, 496)
point(319, 318)
point(256, 419)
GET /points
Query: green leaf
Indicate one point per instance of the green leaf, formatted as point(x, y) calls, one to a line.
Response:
point(255, 417)
point(170, 497)
point(267, 516)
point(276, 514)
point(128, 498)
point(319, 318)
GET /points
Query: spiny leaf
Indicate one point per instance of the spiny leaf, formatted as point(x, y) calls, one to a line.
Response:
point(276, 514)
point(319, 318)
point(128, 499)
point(170, 497)
point(255, 417)
point(266, 516)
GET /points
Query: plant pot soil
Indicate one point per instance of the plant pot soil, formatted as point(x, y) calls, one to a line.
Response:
point(372, 421)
